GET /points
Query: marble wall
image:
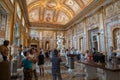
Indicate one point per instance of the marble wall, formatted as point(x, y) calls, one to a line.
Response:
point(105, 19)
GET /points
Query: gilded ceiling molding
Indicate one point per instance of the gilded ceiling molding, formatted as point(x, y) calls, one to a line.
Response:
point(68, 8)
point(80, 3)
point(55, 15)
point(68, 13)
point(7, 6)
point(33, 6)
point(41, 13)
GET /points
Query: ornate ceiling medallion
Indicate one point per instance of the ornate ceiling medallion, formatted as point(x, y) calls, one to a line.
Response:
point(51, 4)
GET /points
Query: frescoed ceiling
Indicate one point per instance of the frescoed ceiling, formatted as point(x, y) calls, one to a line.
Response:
point(55, 11)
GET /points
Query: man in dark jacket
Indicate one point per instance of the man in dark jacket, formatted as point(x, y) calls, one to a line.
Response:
point(56, 66)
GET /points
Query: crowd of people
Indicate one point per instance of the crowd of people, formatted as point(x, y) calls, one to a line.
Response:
point(28, 58)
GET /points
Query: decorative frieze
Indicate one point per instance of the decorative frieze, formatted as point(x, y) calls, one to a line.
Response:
point(92, 22)
point(110, 37)
point(113, 9)
point(80, 28)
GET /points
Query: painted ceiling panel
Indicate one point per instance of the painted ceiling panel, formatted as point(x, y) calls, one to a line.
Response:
point(73, 5)
point(62, 17)
point(34, 15)
point(48, 15)
point(46, 9)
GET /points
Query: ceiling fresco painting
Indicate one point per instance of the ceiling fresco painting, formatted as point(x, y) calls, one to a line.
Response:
point(62, 17)
point(34, 15)
point(55, 11)
point(48, 15)
point(73, 5)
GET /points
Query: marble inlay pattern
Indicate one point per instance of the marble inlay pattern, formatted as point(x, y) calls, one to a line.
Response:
point(77, 73)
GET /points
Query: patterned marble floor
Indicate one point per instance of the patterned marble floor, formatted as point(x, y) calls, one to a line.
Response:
point(77, 73)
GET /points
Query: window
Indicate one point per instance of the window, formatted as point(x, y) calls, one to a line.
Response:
point(116, 38)
point(18, 11)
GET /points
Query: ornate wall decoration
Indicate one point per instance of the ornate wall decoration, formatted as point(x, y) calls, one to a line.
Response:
point(116, 38)
point(34, 33)
point(48, 15)
point(111, 38)
point(3, 25)
point(80, 27)
point(3, 22)
point(117, 6)
point(73, 5)
point(109, 10)
point(113, 9)
point(62, 18)
point(92, 22)
point(34, 15)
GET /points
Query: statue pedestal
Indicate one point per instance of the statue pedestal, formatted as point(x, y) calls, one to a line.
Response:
point(62, 54)
point(4, 70)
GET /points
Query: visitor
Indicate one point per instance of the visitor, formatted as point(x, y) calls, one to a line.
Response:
point(19, 59)
point(34, 60)
point(4, 50)
point(88, 56)
point(66, 57)
point(27, 65)
point(41, 63)
point(56, 65)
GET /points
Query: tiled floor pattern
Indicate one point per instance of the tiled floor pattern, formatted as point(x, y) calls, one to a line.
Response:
point(76, 74)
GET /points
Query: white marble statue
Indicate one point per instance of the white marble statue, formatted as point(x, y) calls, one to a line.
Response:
point(118, 42)
point(60, 42)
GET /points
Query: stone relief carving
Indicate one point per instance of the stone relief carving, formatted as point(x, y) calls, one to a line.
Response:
point(117, 6)
point(80, 27)
point(113, 9)
point(92, 21)
point(109, 10)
